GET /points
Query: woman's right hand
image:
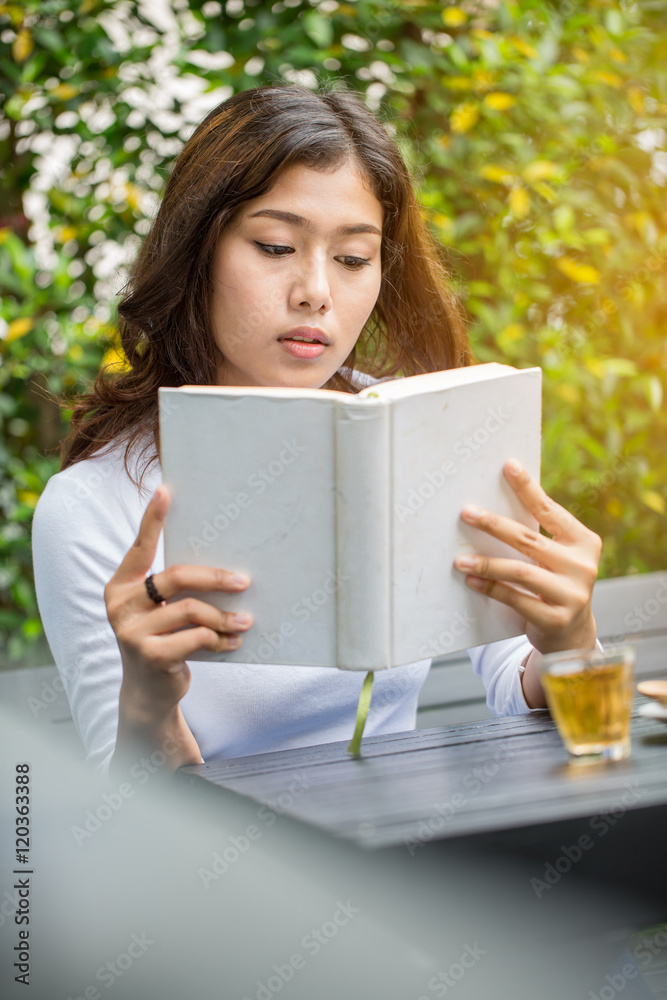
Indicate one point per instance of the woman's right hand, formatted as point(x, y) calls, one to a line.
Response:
point(153, 652)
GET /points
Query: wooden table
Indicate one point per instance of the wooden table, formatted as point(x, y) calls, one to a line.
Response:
point(508, 784)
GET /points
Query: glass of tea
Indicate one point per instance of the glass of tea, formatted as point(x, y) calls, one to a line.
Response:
point(589, 694)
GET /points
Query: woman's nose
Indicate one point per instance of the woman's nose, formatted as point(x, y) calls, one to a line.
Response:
point(311, 286)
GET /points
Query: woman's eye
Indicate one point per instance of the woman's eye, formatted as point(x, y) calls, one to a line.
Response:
point(269, 247)
point(356, 263)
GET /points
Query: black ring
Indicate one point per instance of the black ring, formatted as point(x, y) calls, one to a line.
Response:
point(152, 591)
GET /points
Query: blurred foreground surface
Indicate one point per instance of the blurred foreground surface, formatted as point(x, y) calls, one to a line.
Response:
point(143, 889)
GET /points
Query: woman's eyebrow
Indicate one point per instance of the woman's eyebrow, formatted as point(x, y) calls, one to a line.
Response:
point(298, 220)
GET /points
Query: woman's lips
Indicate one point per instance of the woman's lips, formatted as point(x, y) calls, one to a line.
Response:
point(299, 349)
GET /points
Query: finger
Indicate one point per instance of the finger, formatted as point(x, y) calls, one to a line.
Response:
point(543, 550)
point(532, 609)
point(169, 652)
point(179, 577)
point(139, 558)
point(190, 611)
point(551, 587)
point(555, 519)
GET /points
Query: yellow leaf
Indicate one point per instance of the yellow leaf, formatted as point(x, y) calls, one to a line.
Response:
point(457, 82)
point(570, 393)
point(583, 274)
point(482, 80)
point(22, 46)
point(454, 17)
point(115, 359)
point(545, 190)
point(580, 55)
point(19, 327)
point(464, 117)
point(618, 55)
point(636, 99)
point(481, 33)
point(654, 500)
point(28, 497)
point(614, 507)
point(134, 195)
point(596, 367)
point(540, 170)
point(66, 233)
point(519, 201)
point(76, 352)
point(4, 234)
point(510, 335)
point(611, 79)
point(65, 91)
point(500, 175)
point(524, 47)
point(498, 101)
point(444, 223)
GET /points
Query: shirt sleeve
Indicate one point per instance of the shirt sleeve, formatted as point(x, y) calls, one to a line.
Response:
point(81, 532)
point(497, 664)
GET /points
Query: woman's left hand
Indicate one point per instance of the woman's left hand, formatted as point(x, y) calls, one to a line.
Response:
point(557, 609)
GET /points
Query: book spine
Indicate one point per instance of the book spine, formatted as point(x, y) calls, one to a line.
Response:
point(363, 523)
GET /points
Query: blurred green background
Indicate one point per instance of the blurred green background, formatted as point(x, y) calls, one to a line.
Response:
point(536, 135)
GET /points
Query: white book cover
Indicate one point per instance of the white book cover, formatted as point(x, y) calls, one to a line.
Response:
point(344, 509)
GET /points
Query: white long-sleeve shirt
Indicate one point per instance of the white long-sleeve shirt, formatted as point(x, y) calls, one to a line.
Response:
point(85, 521)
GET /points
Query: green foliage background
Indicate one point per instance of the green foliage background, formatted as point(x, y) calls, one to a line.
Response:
point(536, 134)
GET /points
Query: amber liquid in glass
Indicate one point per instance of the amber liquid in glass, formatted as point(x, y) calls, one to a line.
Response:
point(592, 707)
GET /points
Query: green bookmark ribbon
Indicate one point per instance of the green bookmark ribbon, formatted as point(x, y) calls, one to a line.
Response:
point(362, 712)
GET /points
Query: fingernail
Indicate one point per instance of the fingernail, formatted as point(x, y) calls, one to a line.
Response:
point(242, 619)
point(472, 513)
point(514, 467)
point(239, 580)
point(465, 562)
point(233, 641)
point(475, 581)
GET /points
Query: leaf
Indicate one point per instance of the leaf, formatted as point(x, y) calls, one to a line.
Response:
point(519, 201)
point(492, 172)
point(654, 392)
point(540, 170)
point(499, 101)
point(18, 328)
point(583, 274)
point(22, 45)
point(319, 29)
point(464, 117)
point(655, 501)
point(454, 17)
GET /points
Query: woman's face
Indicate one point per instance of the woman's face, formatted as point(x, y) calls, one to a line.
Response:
point(303, 259)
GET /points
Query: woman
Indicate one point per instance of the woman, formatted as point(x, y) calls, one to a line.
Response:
point(289, 217)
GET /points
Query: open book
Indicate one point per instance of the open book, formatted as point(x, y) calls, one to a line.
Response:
point(344, 509)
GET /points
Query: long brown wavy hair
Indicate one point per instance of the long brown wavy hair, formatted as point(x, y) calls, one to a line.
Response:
point(235, 154)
